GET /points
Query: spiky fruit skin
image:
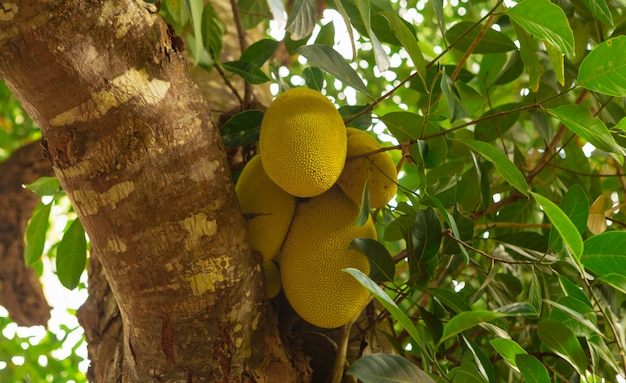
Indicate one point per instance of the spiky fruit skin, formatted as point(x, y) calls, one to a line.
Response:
point(383, 176)
point(272, 279)
point(267, 208)
point(303, 142)
point(315, 253)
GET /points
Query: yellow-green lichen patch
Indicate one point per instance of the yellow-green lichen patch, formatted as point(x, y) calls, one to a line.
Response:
point(206, 274)
point(8, 11)
point(197, 226)
point(115, 244)
point(132, 84)
point(89, 202)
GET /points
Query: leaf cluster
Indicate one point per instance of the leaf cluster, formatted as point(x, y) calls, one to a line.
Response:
point(505, 243)
point(503, 256)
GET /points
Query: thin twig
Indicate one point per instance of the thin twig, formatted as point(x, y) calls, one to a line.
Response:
point(614, 330)
point(492, 225)
point(448, 233)
point(342, 352)
point(474, 43)
point(412, 75)
point(241, 34)
point(549, 154)
point(447, 131)
point(229, 84)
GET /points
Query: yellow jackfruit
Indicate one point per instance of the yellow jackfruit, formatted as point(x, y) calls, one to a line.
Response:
point(268, 209)
point(383, 176)
point(314, 254)
point(303, 142)
point(272, 279)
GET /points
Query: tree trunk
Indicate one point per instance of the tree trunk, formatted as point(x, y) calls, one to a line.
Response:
point(20, 290)
point(131, 141)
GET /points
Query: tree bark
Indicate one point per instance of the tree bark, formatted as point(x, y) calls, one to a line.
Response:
point(131, 141)
point(20, 290)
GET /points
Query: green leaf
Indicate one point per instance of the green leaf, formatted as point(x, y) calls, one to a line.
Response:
point(253, 12)
point(362, 122)
point(501, 162)
point(380, 56)
point(441, 20)
point(604, 68)
point(195, 11)
point(313, 77)
point(404, 125)
point(466, 320)
point(482, 361)
point(579, 120)
point(387, 368)
point(302, 18)
point(491, 42)
point(490, 129)
point(364, 212)
point(572, 289)
point(574, 314)
point(558, 63)
point(455, 105)
point(346, 19)
point(562, 223)
point(328, 60)
point(490, 67)
point(36, 233)
point(432, 322)
point(213, 28)
point(382, 267)
point(563, 342)
point(178, 10)
point(45, 186)
point(466, 373)
point(326, 35)
point(598, 347)
point(403, 320)
point(259, 52)
point(616, 280)
point(408, 41)
point(546, 21)
point(605, 253)
point(242, 129)
point(519, 309)
point(600, 10)
point(508, 348)
point(249, 72)
point(472, 100)
point(529, 56)
point(531, 368)
point(576, 206)
point(72, 255)
point(450, 299)
point(426, 234)
point(452, 224)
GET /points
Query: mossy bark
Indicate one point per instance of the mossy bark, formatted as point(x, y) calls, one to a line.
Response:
point(132, 143)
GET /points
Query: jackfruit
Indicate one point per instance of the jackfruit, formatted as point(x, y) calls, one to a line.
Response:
point(272, 279)
point(383, 176)
point(303, 142)
point(267, 208)
point(315, 253)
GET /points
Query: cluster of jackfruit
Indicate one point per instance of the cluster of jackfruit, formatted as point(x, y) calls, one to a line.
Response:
point(305, 152)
